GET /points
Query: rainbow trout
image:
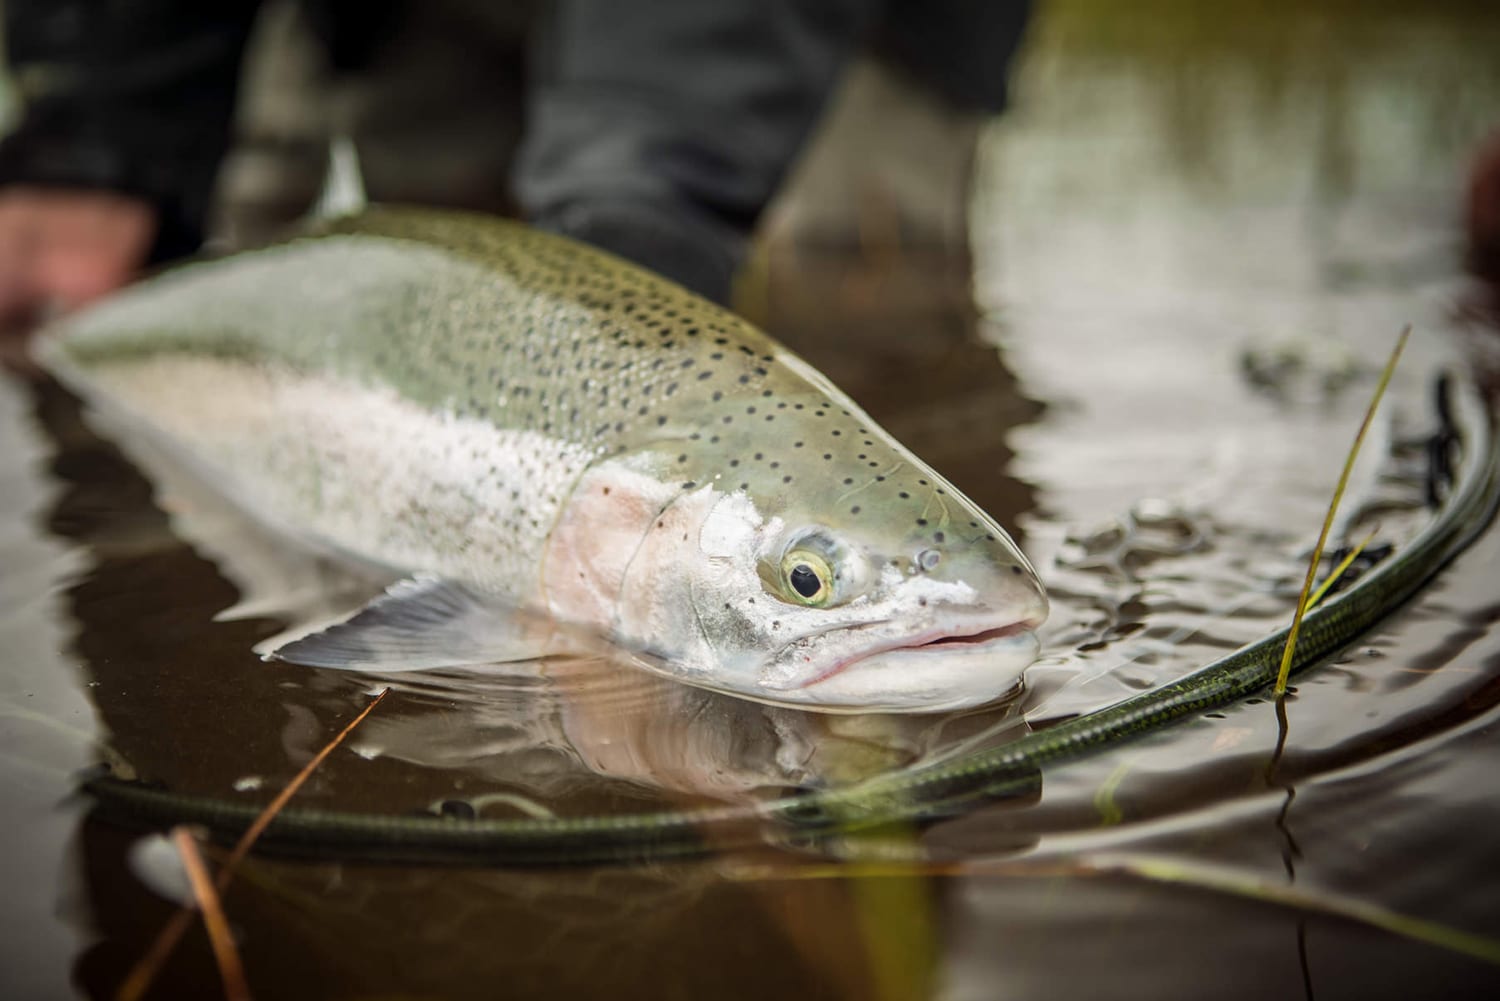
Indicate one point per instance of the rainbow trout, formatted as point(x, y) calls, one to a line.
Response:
point(517, 423)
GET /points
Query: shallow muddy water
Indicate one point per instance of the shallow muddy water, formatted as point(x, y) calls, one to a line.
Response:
point(1196, 240)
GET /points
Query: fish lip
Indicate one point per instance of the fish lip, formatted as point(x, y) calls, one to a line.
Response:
point(953, 637)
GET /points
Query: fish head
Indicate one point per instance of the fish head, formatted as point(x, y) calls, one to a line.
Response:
point(906, 598)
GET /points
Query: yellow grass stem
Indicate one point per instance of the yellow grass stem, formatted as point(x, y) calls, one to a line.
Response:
point(1110, 813)
point(1158, 869)
point(231, 971)
point(1338, 572)
point(144, 972)
point(1333, 506)
point(263, 820)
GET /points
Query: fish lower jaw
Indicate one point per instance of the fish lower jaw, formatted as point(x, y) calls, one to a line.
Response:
point(934, 641)
point(938, 671)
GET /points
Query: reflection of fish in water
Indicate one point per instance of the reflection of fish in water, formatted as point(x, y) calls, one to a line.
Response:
point(581, 729)
point(522, 421)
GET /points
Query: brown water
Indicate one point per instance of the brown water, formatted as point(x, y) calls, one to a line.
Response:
point(1196, 240)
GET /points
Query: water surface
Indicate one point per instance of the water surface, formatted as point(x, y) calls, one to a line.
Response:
point(1196, 238)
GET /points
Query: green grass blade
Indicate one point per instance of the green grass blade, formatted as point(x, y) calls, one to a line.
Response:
point(1333, 507)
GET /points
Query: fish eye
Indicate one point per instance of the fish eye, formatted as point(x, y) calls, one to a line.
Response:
point(809, 579)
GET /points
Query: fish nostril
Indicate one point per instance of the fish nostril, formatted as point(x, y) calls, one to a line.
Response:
point(929, 558)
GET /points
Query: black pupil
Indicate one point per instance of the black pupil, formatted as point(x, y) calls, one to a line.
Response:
point(805, 581)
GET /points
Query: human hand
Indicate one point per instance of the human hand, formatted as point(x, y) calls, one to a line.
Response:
point(61, 248)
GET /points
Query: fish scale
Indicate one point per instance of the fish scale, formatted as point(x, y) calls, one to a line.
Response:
point(653, 364)
point(458, 395)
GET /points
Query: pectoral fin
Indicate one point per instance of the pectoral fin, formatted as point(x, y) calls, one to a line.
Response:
point(426, 622)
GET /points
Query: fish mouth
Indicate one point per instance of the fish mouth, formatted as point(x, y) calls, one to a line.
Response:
point(952, 640)
point(983, 636)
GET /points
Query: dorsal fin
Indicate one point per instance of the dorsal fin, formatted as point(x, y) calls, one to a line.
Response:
point(343, 191)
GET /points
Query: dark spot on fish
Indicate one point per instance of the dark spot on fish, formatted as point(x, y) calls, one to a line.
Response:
point(854, 509)
point(717, 396)
point(749, 410)
point(682, 458)
point(904, 495)
point(921, 521)
point(786, 479)
point(707, 373)
point(744, 379)
point(848, 480)
point(688, 486)
point(661, 421)
point(937, 536)
point(733, 463)
point(1015, 569)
